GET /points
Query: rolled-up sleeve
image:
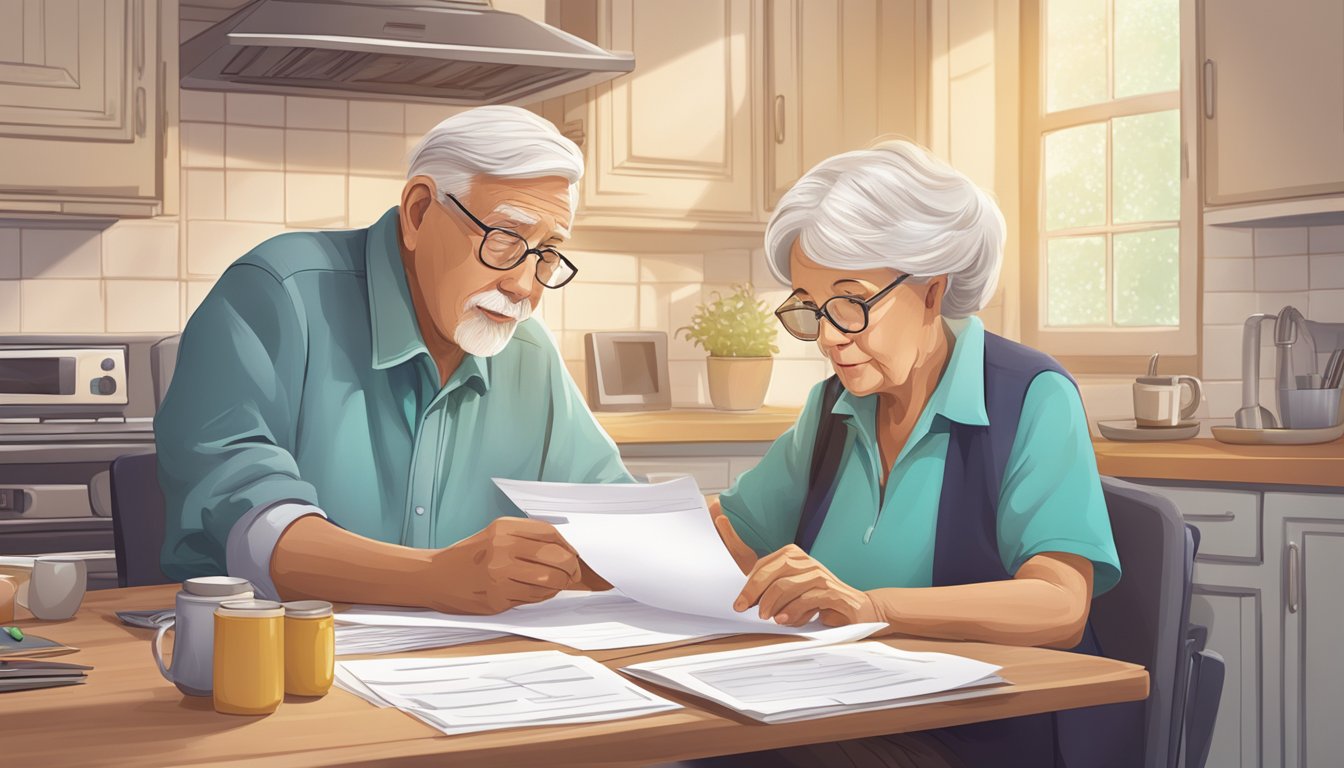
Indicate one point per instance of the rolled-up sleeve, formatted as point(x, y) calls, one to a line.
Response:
point(225, 432)
point(766, 502)
point(1051, 498)
point(252, 542)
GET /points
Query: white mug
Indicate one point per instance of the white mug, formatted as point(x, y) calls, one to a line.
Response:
point(1158, 401)
point(55, 588)
point(193, 666)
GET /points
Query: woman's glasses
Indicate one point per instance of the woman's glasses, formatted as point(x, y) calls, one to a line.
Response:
point(848, 313)
point(503, 250)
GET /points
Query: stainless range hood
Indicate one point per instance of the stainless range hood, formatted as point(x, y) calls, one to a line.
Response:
point(442, 51)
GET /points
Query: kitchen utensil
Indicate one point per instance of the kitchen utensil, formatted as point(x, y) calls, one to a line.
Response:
point(1158, 403)
point(1333, 370)
point(145, 619)
point(1152, 364)
point(56, 588)
point(192, 669)
point(1309, 408)
point(1128, 430)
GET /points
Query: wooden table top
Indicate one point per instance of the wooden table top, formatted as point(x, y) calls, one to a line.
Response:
point(127, 714)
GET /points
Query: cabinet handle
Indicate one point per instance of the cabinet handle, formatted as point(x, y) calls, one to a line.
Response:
point(1212, 516)
point(1294, 565)
point(138, 19)
point(1209, 88)
point(140, 107)
point(779, 119)
point(162, 129)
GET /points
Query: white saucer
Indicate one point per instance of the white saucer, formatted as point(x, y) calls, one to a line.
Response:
point(1129, 430)
point(1238, 436)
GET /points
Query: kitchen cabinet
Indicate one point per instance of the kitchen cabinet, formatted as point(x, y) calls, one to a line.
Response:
point(1272, 87)
point(1312, 527)
point(732, 100)
point(1267, 585)
point(88, 94)
point(838, 74)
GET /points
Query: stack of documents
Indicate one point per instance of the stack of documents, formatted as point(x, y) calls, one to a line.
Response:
point(674, 579)
point(801, 681)
point(482, 693)
point(23, 674)
point(352, 639)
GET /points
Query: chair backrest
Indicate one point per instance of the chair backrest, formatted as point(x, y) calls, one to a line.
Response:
point(1144, 618)
point(162, 362)
point(137, 520)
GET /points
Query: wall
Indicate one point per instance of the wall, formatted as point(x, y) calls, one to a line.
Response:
point(254, 166)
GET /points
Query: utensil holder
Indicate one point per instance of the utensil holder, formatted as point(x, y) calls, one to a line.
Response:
point(1309, 408)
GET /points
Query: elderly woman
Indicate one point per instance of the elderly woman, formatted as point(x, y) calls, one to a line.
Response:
point(943, 481)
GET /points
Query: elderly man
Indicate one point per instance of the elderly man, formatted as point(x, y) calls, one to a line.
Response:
point(342, 399)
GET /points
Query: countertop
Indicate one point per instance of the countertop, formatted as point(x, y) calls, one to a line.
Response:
point(1202, 459)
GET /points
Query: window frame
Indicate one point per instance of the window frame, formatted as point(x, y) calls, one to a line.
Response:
point(1108, 350)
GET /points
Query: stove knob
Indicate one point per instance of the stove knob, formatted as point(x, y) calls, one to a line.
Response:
point(107, 385)
point(108, 364)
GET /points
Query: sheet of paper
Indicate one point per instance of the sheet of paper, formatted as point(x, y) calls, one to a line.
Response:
point(352, 639)
point(590, 621)
point(655, 543)
point(804, 680)
point(480, 693)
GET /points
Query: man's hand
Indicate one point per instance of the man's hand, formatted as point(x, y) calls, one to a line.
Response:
point(791, 587)
point(513, 561)
point(743, 555)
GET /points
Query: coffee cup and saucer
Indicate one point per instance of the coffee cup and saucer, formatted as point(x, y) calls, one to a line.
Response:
point(1161, 410)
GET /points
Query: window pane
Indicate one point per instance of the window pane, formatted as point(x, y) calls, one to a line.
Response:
point(1147, 46)
point(1147, 167)
point(1076, 281)
point(1075, 53)
point(1075, 177)
point(1147, 278)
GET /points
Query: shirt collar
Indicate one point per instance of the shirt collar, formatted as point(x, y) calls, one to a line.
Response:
point(960, 393)
point(394, 328)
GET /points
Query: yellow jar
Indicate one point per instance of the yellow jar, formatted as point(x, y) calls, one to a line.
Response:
point(249, 657)
point(310, 647)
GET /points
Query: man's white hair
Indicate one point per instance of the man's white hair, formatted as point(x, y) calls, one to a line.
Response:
point(893, 205)
point(499, 141)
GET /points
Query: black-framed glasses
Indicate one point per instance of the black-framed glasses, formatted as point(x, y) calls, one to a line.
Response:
point(847, 313)
point(504, 249)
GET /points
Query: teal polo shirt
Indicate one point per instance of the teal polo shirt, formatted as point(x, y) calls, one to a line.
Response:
point(303, 378)
point(1050, 500)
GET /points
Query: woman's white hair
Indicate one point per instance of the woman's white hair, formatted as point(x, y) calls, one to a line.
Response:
point(499, 141)
point(893, 205)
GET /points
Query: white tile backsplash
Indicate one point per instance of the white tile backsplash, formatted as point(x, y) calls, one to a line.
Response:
point(204, 190)
point(315, 200)
point(1326, 239)
point(1327, 306)
point(254, 196)
point(249, 148)
point(1228, 308)
point(9, 253)
point(202, 145)
point(1229, 274)
point(1327, 271)
point(49, 306)
point(143, 306)
point(378, 116)
point(201, 106)
point(254, 109)
point(61, 253)
point(377, 154)
point(326, 114)
point(10, 305)
point(316, 151)
point(1228, 243)
point(1281, 273)
point(1280, 241)
point(133, 248)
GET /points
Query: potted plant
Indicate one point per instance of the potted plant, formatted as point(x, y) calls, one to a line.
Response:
point(738, 331)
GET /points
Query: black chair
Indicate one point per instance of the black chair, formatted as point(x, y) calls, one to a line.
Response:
point(1145, 619)
point(137, 520)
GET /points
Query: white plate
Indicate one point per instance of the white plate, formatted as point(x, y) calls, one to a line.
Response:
point(1129, 430)
point(1238, 436)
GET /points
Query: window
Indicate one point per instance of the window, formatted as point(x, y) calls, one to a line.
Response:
point(1110, 214)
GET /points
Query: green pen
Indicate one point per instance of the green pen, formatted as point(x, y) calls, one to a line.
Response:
point(15, 633)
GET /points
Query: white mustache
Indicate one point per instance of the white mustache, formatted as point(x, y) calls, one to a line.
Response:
point(497, 302)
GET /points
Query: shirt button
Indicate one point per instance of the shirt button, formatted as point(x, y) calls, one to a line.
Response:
point(419, 510)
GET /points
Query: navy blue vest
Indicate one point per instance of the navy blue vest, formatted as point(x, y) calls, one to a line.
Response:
point(966, 551)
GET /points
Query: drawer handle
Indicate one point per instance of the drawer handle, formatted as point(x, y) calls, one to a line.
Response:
point(1212, 516)
point(779, 119)
point(1294, 565)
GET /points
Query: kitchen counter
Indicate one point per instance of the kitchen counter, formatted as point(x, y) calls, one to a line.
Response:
point(1201, 459)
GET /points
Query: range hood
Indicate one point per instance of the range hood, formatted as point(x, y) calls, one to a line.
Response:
point(443, 51)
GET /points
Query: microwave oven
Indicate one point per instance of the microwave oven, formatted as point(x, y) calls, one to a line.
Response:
point(61, 376)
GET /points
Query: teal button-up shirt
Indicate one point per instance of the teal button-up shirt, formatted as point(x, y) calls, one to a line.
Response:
point(1050, 501)
point(303, 377)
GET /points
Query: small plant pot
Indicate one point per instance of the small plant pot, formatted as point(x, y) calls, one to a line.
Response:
point(739, 383)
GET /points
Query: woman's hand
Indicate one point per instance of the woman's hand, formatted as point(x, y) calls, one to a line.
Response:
point(791, 588)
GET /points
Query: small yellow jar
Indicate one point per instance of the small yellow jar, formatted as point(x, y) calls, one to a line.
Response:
point(249, 657)
point(310, 647)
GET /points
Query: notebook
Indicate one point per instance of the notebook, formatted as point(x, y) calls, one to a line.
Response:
point(31, 647)
point(26, 674)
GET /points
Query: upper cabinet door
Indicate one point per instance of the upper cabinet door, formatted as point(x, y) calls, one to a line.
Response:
point(83, 105)
point(672, 141)
point(839, 73)
point(1272, 79)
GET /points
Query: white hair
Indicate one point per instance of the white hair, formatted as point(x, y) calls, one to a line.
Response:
point(500, 141)
point(893, 206)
